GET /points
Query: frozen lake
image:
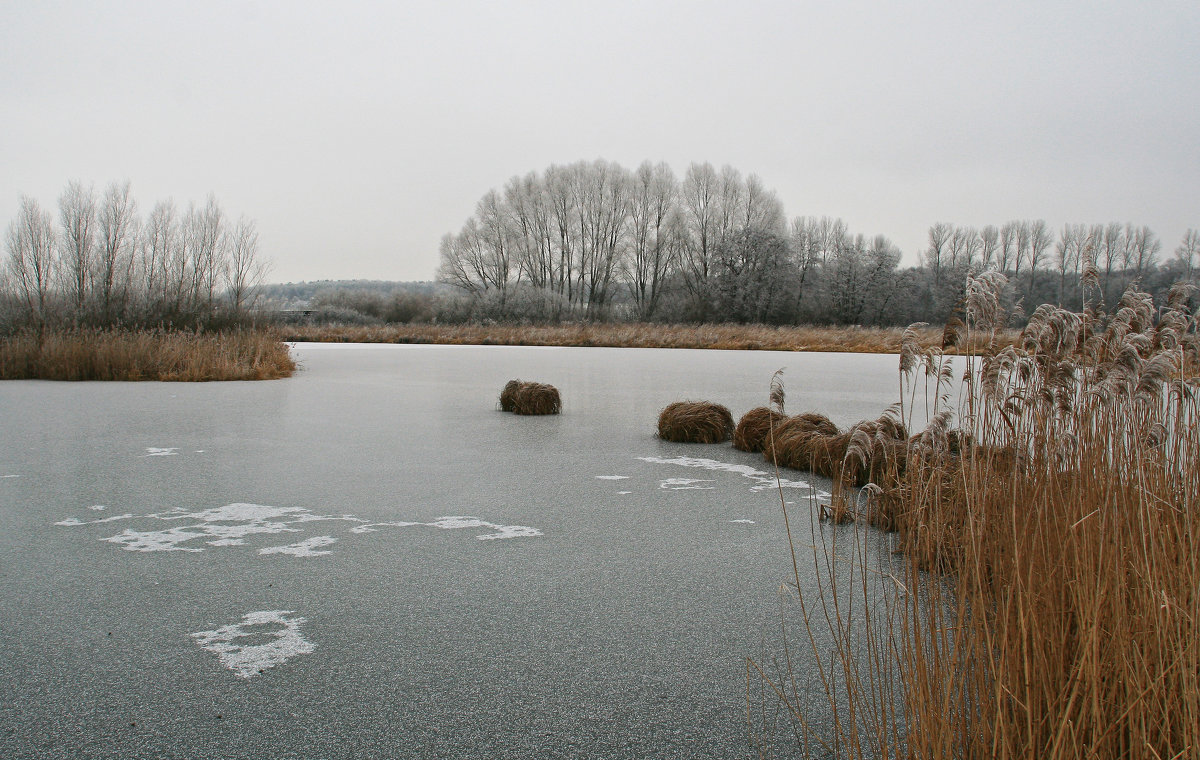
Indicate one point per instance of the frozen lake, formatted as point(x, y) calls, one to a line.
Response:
point(370, 560)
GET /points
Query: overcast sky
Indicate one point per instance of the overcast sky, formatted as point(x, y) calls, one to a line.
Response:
point(357, 134)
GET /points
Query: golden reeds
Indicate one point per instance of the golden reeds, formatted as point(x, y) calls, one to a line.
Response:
point(521, 397)
point(1049, 605)
point(695, 422)
point(88, 354)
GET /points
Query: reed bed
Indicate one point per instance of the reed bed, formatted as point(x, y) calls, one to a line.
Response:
point(638, 335)
point(1049, 600)
point(695, 422)
point(143, 355)
point(521, 397)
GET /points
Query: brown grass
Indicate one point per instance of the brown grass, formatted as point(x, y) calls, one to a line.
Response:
point(508, 396)
point(521, 397)
point(1050, 601)
point(144, 355)
point(695, 422)
point(537, 398)
point(755, 426)
point(737, 337)
point(791, 444)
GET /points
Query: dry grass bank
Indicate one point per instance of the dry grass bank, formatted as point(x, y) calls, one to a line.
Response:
point(1050, 605)
point(739, 337)
point(143, 355)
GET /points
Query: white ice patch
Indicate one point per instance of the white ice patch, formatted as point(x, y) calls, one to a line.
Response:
point(747, 522)
point(71, 521)
point(685, 484)
point(612, 477)
point(97, 507)
point(9, 476)
point(624, 493)
point(248, 659)
point(233, 524)
point(232, 521)
point(303, 549)
point(763, 480)
point(161, 452)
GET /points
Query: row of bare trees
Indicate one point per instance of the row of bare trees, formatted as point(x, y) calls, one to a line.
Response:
point(591, 236)
point(589, 229)
point(99, 263)
point(1046, 266)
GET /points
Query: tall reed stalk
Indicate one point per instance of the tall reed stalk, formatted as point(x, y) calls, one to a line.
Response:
point(1049, 598)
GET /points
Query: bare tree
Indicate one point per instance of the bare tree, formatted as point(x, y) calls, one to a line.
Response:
point(988, 246)
point(1188, 252)
point(164, 262)
point(1040, 240)
point(937, 254)
point(245, 271)
point(1110, 248)
point(700, 197)
point(118, 233)
point(1007, 253)
point(77, 240)
point(1145, 246)
point(653, 257)
point(30, 240)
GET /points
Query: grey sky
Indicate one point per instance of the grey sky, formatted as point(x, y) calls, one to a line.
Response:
point(356, 134)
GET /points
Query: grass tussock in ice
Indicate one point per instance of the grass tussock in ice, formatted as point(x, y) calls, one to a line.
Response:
point(695, 422)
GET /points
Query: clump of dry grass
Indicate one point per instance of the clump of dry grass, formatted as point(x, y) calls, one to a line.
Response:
point(755, 427)
point(695, 422)
point(521, 397)
point(793, 442)
point(88, 354)
point(508, 396)
point(1049, 604)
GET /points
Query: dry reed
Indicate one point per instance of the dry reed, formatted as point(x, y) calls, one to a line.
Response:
point(1066, 519)
point(143, 355)
point(695, 422)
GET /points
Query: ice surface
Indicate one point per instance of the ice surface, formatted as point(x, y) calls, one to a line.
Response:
point(152, 451)
point(612, 477)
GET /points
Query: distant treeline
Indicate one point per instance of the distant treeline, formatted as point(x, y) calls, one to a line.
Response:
point(99, 263)
point(594, 240)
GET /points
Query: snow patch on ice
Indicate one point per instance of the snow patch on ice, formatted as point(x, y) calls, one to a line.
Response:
point(152, 451)
point(624, 493)
point(305, 548)
point(612, 477)
point(71, 521)
point(762, 480)
point(685, 484)
point(248, 660)
point(747, 522)
point(97, 507)
point(2, 477)
point(232, 524)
